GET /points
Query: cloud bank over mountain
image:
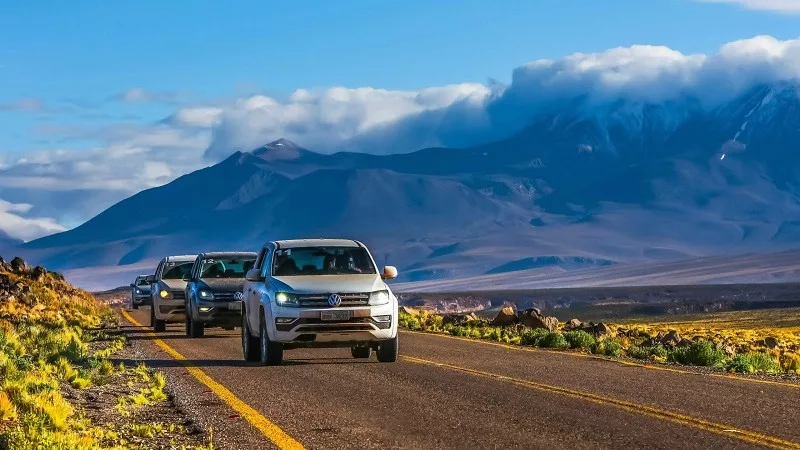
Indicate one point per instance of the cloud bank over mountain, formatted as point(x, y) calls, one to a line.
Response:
point(128, 157)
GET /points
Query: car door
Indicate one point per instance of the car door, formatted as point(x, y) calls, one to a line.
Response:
point(191, 283)
point(252, 290)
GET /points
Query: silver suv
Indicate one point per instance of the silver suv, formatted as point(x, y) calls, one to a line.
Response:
point(214, 290)
point(167, 290)
point(140, 292)
point(318, 293)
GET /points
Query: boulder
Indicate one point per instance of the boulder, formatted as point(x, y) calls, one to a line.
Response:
point(38, 273)
point(730, 350)
point(4, 266)
point(573, 324)
point(533, 318)
point(18, 265)
point(459, 319)
point(770, 342)
point(504, 317)
point(409, 310)
point(602, 329)
point(671, 339)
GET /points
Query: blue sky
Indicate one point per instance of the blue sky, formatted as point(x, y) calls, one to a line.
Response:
point(88, 51)
point(101, 99)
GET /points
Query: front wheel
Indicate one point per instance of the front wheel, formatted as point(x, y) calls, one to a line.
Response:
point(158, 325)
point(388, 350)
point(271, 352)
point(134, 305)
point(194, 329)
point(251, 347)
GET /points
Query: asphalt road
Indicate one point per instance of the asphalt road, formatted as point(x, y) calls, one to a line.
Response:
point(453, 393)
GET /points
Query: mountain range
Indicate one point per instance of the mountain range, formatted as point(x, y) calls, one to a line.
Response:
point(585, 184)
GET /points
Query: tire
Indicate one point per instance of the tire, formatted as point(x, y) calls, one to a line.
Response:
point(194, 329)
point(271, 352)
point(134, 306)
point(361, 352)
point(388, 350)
point(159, 326)
point(251, 346)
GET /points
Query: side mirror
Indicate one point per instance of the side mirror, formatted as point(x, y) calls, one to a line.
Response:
point(389, 273)
point(131, 285)
point(254, 275)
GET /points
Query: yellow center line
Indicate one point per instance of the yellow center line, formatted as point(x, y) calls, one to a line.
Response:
point(267, 428)
point(636, 408)
point(601, 358)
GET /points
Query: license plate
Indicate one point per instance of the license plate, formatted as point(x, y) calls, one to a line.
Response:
point(334, 315)
point(235, 306)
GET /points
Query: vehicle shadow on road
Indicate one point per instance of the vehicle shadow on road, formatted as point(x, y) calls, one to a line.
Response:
point(200, 363)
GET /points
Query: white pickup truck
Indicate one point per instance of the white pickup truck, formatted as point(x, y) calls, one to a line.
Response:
point(318, 293)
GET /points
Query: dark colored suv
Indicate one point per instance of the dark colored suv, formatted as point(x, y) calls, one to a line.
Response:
point(214, 290)
point(140, 292)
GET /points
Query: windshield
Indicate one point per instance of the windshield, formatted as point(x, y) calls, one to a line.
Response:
point(142, 281)
point(177, 270)
point(226, 267)
point(322, 261)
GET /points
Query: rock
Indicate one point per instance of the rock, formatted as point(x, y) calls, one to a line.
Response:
point(770, 342)
point(730, 350)
point(409, 310)
point(19, 265)
point(4, 266)
point(602, 329)
point(459, 319)
point(533, 318)
point(38, 273)
point(671, 339)
point(573, 324)
point(504, 317)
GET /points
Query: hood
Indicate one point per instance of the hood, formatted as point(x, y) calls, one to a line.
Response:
point(223, 284)
point(143, 288)
point(175, 285)
point(323, 284)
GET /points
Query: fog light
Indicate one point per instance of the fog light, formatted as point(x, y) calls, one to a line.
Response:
point(383, 319)
point(205, 309)
point(284, 320)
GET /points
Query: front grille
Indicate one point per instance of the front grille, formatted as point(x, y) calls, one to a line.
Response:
point(224, 296)
point(318, 325)
point(178, 295)
point(321, 300)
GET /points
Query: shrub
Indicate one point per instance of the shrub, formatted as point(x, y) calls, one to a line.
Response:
point(700, 353)
point(554, 339)
point(579, 339)
point(753, 362)
point(790, 362)
point(532, 337)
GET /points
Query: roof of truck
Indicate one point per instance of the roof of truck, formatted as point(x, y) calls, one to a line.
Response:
point(229, 254)
point(181, 258)
point(294, 243)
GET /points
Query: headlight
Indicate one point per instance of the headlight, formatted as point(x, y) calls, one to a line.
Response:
point(163, 294)
point(379, 298)
point(206, 295)
point(138, 291)
point(285, 299)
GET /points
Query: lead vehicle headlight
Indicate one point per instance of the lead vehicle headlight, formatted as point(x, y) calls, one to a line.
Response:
point(286, 299)
point(379, 298)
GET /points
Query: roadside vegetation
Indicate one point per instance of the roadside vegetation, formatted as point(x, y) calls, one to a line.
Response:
point(735, 342)
point(56, 345)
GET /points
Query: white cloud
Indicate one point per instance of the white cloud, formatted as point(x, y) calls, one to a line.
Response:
point(135, 157)
point(142, 95)
point(14, 223)
point(25, 105)
point(781, 6)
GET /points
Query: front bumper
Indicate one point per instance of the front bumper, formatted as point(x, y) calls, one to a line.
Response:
point(306, 327)
point(221, 313)
point(170, 310)
point(141, 299)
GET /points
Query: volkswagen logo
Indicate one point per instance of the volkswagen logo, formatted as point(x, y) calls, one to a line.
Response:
point(334, 300)
point(238, 296)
